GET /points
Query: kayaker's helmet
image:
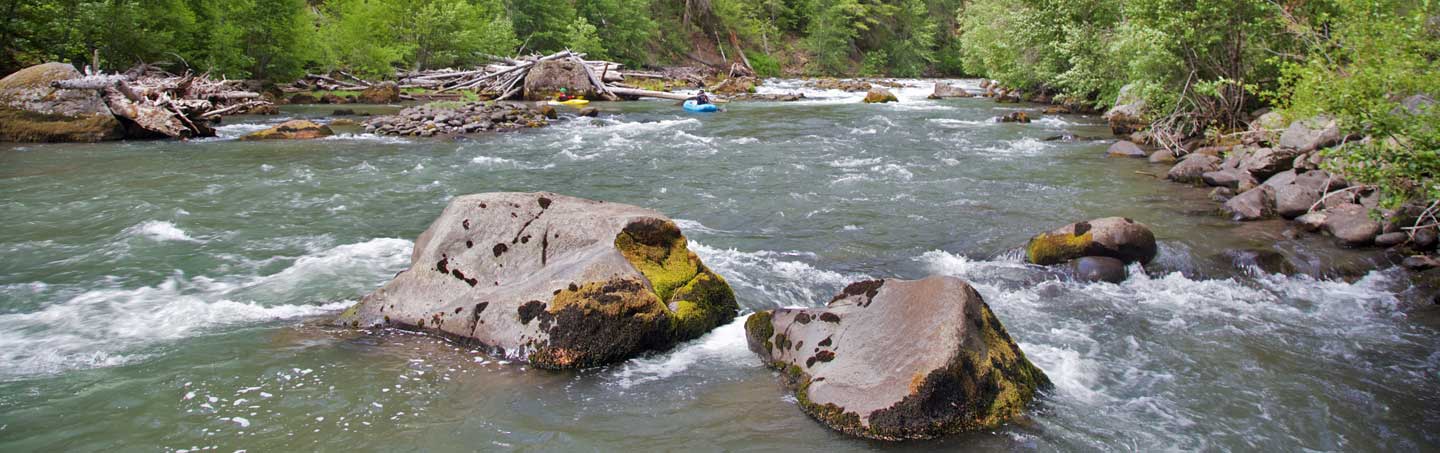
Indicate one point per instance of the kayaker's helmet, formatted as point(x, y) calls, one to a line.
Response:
point(563, 90)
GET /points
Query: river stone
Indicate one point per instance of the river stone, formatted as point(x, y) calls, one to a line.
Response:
point(1127, 116)
point(1266, 162)
point(1125, 148)
point(1294, 200)
point(1098, 269)
point(1265, 129)
point(1391, 239)
point(1424, 240)
point(1351, 224)
point(1115, 237)
point(944, 90)
point(1163, 157)
point(1254, 204)
point(899, 359)
point(558, 281)
point(1311, 134)
point(32, 111)
point(879, 95)
point(1312, 222)
point(591, 112)
point(293, 129)
point(1192, 168)
point(1231, 178)
point(1283, 178)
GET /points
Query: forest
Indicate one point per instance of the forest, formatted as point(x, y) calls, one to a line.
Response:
point(1200, 66)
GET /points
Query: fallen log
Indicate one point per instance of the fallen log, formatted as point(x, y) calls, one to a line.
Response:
point(647, 93)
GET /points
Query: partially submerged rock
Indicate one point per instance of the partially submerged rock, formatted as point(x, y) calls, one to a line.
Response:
point(32, 111)
point(1115, 237)
point(291, 130)
point(898, 359)
point(879, 96)
point(449, 118)
point(944, 91)
point(557, 281)
point(1351, 224)
point(1098, 269)
point(1254, 204)
point(1125, 148)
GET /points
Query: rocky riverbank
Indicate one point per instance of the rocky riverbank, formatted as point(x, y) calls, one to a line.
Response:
point(452, 118)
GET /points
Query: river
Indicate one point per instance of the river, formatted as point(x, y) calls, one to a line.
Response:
point(171, 295)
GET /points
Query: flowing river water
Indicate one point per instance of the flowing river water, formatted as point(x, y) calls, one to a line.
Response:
point(171, 295)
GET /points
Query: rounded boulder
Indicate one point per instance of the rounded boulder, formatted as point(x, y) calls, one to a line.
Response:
point(1116, 237)
point(896, 359)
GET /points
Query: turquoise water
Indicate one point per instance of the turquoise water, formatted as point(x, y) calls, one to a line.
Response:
point(172, 295)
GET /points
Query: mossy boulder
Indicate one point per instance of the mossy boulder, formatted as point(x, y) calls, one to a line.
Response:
point(879, 96)
point(1115, 237)
point(898, 359)
point(1128, 114)
point(944, 91)
point(291, 130)
point(32, 111)
point(557, 281)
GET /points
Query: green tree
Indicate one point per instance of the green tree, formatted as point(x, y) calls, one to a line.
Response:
point(542, 25)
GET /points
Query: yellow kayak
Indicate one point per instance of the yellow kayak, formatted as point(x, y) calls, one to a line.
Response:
point(572, 102)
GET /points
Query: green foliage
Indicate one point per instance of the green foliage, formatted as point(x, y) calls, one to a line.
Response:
point(580, 36)
point(1366, 59)
point(623, 28)
point(764, 64)
point(542, 25)
point(376, 37)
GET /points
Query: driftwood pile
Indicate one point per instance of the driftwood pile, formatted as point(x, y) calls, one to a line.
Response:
point(166, 105)
point(504, 79)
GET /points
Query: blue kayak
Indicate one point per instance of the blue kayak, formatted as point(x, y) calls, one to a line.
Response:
point(691, 106)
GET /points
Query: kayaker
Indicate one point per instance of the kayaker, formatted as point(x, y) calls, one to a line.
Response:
point(563, 95)
point(702, 98)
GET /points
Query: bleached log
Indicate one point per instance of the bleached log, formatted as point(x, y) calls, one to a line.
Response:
point(647, 93)
point(94, 82)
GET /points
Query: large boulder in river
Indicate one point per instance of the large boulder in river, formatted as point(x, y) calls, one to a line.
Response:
point(1255, 204)
point(896, 359)
point(560, 282)
point(879, 95)
point(32, 111)
point(291, 130)
point(381, 93)
point(546, 78)
point(1128, 114)
point(1115, 237)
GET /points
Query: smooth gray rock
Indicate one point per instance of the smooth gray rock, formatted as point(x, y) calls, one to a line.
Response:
point(1311, 134)
point(557, 281)
point(1163, 157)
point(898, 359)
point(1231, 178)
point(1312, 222)
point(1424, 240)
point(1420, 263)
point(1098, 269)
point(1391, 239)
point(1351, 224)
point(33, 111)
point(1283, 178)
point(1254, 204)
point(1266, 162)
point(1125, 148)
point(1192, 168)
point(1294, 200)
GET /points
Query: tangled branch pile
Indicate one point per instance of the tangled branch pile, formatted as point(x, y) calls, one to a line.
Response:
point(161, 104)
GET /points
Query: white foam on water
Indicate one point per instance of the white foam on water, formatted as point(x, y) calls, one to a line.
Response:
point(114, 325)
point(689, 226)
point(1078, 334)
point(372, 138)
point(159, 230)
point(1021, 147)
point(767, 279)
point(963, 123)
point(850, 162)
point(723, 346)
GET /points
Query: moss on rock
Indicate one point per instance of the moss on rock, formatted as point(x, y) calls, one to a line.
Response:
point(697, 299)
point(1051, 248)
